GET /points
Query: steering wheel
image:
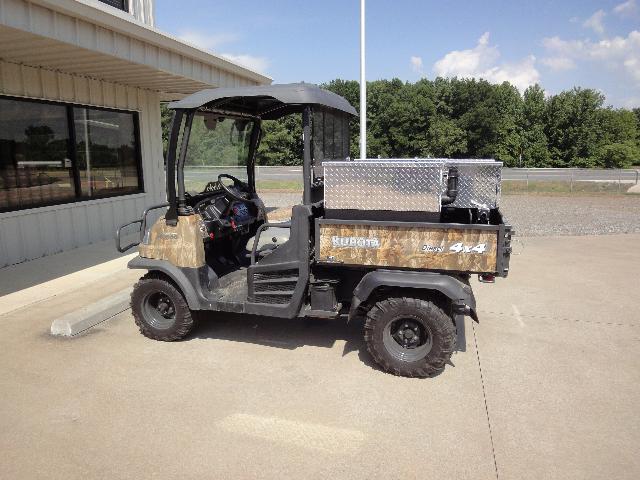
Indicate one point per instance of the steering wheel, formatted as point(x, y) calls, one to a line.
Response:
point(236, 184)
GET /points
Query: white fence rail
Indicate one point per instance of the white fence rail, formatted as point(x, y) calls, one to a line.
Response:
point(572, 174)
point(622, 177)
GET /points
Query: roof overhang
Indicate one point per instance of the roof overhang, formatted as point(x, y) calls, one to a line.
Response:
point(89, 38)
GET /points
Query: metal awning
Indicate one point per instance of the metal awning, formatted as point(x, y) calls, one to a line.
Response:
point(85, 37)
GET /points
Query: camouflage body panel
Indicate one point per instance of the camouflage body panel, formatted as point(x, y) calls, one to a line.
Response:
point(181, 245)
point(465, 249)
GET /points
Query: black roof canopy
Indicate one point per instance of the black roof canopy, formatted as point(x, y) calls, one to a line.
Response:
point(265, 101)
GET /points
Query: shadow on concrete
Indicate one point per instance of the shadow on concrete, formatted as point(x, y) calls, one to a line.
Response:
point(290, 333)
point(284, 333)
point(34, 272)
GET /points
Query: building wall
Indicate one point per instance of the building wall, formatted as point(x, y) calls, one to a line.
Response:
point(143, 11)
point(33, 233)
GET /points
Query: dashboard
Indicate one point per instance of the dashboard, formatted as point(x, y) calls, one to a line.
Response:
point(221, 215)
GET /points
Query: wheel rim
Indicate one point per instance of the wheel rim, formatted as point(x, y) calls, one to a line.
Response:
point(407, 339)
point(159, 310)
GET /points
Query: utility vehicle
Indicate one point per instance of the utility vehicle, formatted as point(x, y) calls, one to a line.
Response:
point(391, 242)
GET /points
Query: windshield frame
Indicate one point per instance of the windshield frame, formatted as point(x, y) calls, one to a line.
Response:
point(247, 147)
point(182, 207)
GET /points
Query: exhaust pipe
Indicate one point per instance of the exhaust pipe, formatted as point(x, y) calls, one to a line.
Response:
point(452, 187)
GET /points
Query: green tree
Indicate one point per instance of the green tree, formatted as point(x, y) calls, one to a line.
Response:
point(281, 142)
point(573, 129)
point(535, 149)
point(618, 155)
point(444, 139)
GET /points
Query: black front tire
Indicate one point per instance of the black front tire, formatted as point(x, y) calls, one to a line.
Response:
point(160, 310)
point(426, 346)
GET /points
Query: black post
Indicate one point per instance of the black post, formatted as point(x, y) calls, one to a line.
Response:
point(306, 160)
point(256, 135)
point(183, 209)
point(171, 216)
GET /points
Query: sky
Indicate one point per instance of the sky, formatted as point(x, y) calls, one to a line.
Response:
point(558, 44)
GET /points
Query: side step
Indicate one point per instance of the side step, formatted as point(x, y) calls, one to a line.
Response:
point(326, 314)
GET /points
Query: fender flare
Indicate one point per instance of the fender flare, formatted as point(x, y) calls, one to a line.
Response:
point(459, 292)
point(177, 274)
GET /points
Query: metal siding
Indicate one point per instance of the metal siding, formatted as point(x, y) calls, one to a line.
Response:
point(73, 73)
point(4, 255)
point(64, 226)
point(12, 247)
point(60, 41)
point(40, 20)
point(29, 234)
point(15, 13)
point(80, 226)
point(36, 230)
point(106, 226)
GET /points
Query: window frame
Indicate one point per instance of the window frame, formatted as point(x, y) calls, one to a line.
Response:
point(124, 8)
point(72, 152)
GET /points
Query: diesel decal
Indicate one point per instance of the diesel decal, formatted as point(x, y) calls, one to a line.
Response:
point(432, 248)
point(351, 242)
point(458, 247)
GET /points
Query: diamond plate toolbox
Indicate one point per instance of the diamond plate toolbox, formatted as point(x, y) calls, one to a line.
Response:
point(398, 185)
point(409, 185)
point(478, 184)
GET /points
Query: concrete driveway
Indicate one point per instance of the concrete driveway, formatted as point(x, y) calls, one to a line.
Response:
point(548, 387)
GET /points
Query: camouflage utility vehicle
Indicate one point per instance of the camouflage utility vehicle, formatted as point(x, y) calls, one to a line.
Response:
point(390, 242)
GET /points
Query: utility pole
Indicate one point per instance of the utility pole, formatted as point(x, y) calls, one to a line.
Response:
point(363, 87)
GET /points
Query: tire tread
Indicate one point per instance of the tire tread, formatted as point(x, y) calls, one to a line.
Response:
point(185, 318)
point(442, 327)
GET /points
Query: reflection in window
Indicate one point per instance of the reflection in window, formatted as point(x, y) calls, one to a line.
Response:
point(40, 164)
point(216, 145)
point(106, 152)
point(35, 168)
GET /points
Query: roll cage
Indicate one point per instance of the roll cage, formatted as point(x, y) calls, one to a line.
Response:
point(253, 103)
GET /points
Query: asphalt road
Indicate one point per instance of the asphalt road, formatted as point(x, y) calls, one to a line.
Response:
point(546, 386)
point(540, 174)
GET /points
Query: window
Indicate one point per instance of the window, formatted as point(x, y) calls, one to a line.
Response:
point(119, 4)
point(330, 136)
point(52, 153)
point(106, 152)
point(216, 145)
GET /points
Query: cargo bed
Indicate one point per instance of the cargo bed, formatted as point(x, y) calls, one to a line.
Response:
point(464, 248)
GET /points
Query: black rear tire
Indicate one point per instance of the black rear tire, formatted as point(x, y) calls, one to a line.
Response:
point(410, 337)
point(160, 310)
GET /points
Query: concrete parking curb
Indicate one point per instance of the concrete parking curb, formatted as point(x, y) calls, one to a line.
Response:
point(86, 317)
